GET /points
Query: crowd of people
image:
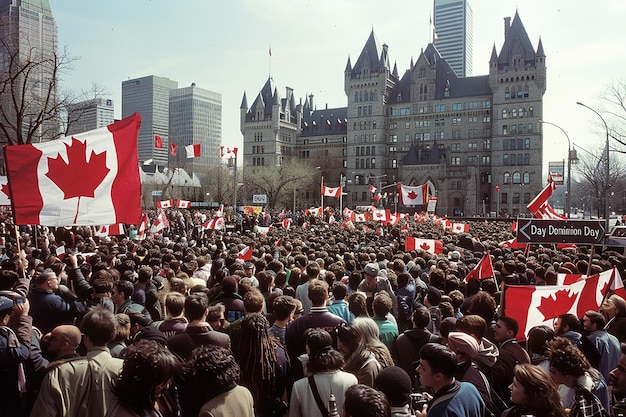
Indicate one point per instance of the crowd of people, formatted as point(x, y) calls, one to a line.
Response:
point(315, 320)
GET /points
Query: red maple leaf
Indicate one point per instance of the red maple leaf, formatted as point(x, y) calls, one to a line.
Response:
point(5, 190)
point(556, 304)
point(425, 246)
point(412, 195)
point(78, 177)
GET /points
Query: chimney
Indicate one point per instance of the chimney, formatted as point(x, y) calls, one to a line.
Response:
point(311, 101)
point(507, 25)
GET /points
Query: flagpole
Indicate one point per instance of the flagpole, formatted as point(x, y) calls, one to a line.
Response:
point(340, 194)
point(322, 197)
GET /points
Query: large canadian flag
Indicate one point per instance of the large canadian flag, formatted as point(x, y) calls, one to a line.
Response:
point(88, 179)
point(413, 196)
point(482, 270)
point(428, 245)
point(331, 192)
point(540, 305)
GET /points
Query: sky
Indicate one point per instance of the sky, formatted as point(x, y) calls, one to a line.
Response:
point(223, 46)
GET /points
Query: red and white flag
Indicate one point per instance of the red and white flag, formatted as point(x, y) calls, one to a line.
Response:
point(88, 179)
point(313, 211)
point(216, 223)
point(165, 204)
point(427, 245)
point(183, 204)
point(372, 189)
point(5, 194)
point(141, 231)
point(482, 270)
point(331, 192)
point(394, 219)
point(287, 223)
point(348, 213)
point(245, 254)
point(380, 215)
point(512, 243)
point(413, 196)
point(541, 200)
point(360, 217)
point(173, 149)
point(460, 227)
point(540, 305)
point(347, 224)
point(158, 141)
point(111, 230)
point(225, 151)
point(193, 151)
point(160, 223)
point(279, 241)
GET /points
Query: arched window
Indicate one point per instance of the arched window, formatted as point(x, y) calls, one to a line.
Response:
point(520, 112)
point(367, 95)
point(505, 114)
point(517, 178)
point(526, 177)
point(356, 96)
point(530, 111)
point(360, 95)
point(507, 178)
point(514, 113)
point(505, 159)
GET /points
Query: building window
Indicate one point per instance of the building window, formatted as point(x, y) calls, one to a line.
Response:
point(505, 114)
point(515, 198)
point(456, 147)
point(526, 159)
point(505, 159)
point(487, 144)
point(486, 119)
point(505, 130)
point(504, 198)
point(530, 111)
point(520, 159)
point(507, 178)
point(526, 178)
point(486, 160)
point(455, 160)
point(517, 178)
point(521, 112)
point(472, 147)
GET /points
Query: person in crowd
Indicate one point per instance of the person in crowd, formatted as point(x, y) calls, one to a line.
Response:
point(198, 331)
point(617, 384)
point(229, 296)
point(364, 401)
point(603, 352)
point(340, 306)
point(324, 366)
point(122, 335)
point(570, 367)
point(143, 386)
point(373, 283)
point(83, 386)
point(284, 307)
point(533, 393)
point(121, 296)
point(357, 304)
point(253, 302)
point(370, 334)
point(488, 353)
point(49, 309)
point(395, 383)
point(613, 309)
point(436, 369)
point(175, 322)
point(405, 350)
point(15, 341)
point(405, 295)
point(209, 385)
point(381, 307)
point(510, 354)
point(216, 317)
point(145, 293)
point(62, 342)
point(263, 363)
point(568, 326)
point(359, 360)
point(312, 272)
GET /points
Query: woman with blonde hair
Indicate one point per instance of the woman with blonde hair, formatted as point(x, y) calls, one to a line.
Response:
point(534, 393)
point(370, 335)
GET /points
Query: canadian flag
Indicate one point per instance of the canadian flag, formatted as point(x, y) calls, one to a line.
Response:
point(540, 305)
point(279, 241)
point(394, 219)
point(460, 227)
point(164, 204)
point(413, 196)
point(141, 231)
point(331, 192)
point(287, 223)
point(313, 211)
point(348, 213)
point(541, 199)
point(360, 217)
point(331, 219)
point(5, 194)
point(482, 270)
point(173, 149)
point(158, 141)
point(88, 179)
point(183, 204)
point(111, 230)
point(514, 226)
point(347, 224)
point(245, 254)
point(193, 151)
point(428, 245)
point(216, 223)
point(547, 212)
point(381, 215)
point(512, 243)
point(226, 151)
point(372, 189)
point(160, 223)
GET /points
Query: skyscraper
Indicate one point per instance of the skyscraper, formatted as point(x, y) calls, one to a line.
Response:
point(90, 115)
point(149, 96)
point(28, 40)
point(196, 118)
point(453, 24)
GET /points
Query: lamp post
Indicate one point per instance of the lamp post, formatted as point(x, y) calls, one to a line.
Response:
point(571, 155)
point(606, 167)
point(477, 185)
point(498, 201)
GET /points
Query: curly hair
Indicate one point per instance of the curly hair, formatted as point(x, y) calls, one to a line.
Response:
point(541, 392)
point(147, 366)
point(567, 358)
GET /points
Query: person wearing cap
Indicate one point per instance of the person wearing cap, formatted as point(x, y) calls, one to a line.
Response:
point(15, 337)
point(250, 270)
point(373, 283)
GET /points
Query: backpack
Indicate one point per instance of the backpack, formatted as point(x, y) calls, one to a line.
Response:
point(404, 308)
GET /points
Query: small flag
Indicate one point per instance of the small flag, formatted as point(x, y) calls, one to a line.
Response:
point(193, 151)
point(183, 204)
point(164, 204)
point(427, 245)
point(245, 254)
point(482, 270)
point(158, 142)
point(173, 149)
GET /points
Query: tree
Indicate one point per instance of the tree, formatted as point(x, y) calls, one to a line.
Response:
point(279, 182)
point(219, 184)
point(615, 106)
point(593, 181)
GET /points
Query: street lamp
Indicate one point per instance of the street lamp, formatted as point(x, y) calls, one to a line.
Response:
point(606, 167)
point(571, 155)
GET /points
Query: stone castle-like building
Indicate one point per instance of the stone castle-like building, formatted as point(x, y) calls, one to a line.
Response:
point(476, 141)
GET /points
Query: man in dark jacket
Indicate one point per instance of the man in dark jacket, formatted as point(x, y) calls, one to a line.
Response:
point(405, 350)
point(48, 308)
point(198, 331)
